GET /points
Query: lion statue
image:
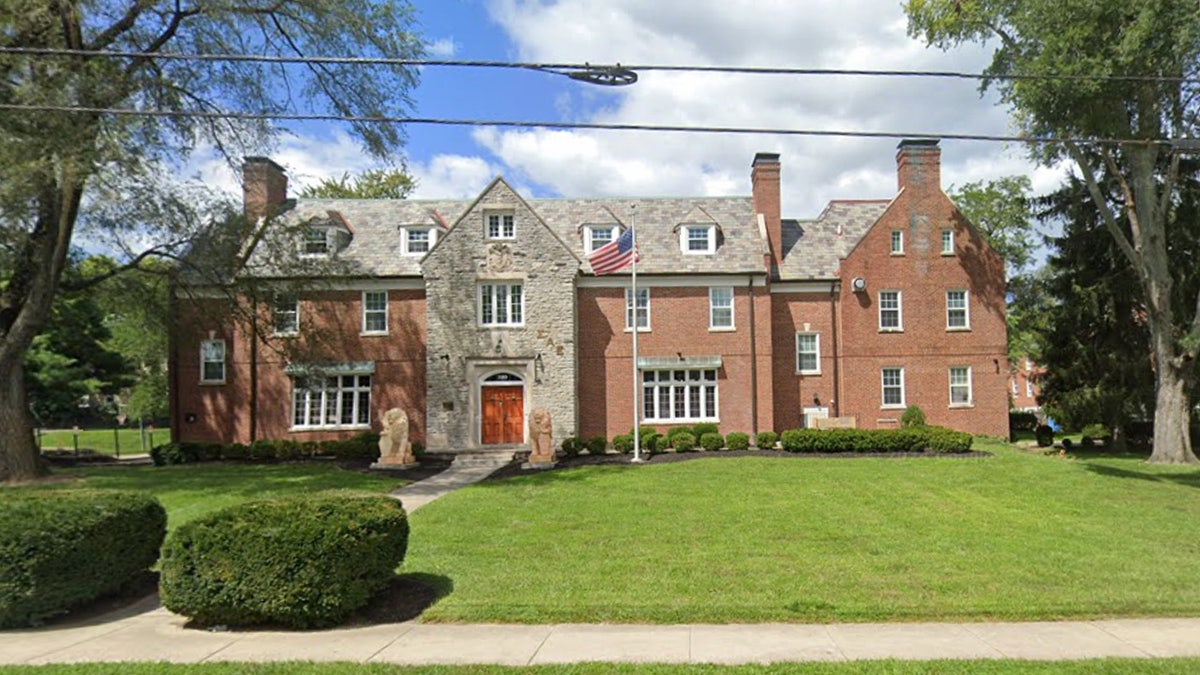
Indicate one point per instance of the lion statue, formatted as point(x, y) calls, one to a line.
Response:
point(541, 436)
point(394, 447)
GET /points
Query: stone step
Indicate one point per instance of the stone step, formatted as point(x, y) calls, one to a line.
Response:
point(495, 459)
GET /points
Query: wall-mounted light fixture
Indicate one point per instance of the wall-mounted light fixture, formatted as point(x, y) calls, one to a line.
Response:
point(539, 367)
point(680, 355)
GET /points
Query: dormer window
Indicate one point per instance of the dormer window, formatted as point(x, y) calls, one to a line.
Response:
point(698, 238)
point(316, 241)
point(596, 236)
point(417, 240)
point(501, 226)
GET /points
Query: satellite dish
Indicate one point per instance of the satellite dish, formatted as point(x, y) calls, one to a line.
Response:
point(859, 284)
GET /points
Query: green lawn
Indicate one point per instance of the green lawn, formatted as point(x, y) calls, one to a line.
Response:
point(191, 490)
point(1014, 537)
point(104, 441)
point(1181, 666)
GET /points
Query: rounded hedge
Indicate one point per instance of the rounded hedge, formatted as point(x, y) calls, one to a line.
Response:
point(64, 548)
point(712, 441)
point(1044, 435)
point(596, 445)
point(766, 440)
point(737, 440)
point(683, 441)
point(571, 446)
point(915, 439)
point(623, 443)
point(913, 417)
point(304, 561)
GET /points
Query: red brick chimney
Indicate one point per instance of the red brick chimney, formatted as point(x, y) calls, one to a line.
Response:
point(264, 188)
point(764, 179)
point(919, 165)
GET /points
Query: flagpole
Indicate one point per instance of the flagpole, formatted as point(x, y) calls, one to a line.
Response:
point(637, 413)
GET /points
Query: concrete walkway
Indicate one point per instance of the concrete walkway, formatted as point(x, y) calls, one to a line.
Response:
point(415, 495)
point(150, 633)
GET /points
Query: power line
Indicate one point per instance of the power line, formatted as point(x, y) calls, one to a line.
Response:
point(567, 68)
point(766, 131)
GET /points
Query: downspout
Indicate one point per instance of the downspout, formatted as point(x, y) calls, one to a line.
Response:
point(253, 367)
point(173, 359)
point(835, 321)
point(753, 365)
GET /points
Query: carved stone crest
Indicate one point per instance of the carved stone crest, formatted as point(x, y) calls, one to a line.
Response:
point(499, 258)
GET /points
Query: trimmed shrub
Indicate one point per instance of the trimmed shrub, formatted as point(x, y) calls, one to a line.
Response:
point(661, 443)
point(683, 442)
point(362, 446)
point(736, 440)
point(63, 548)
point(914, 439)
point(235, 451)
point(649, 441)
point(622, 444)
point(1020, 420)
point(305, 561)
point(596, 445)
point(766, 440)
point(705, 428)
point(1096, 431)
point(675, 431)
point(1067, 444)
point(712, 441)
point(1044, 435)
point(941, 439)
point(571, 446)
point(913, 417)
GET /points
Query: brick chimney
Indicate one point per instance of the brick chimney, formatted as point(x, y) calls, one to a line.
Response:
point(919, 165)
point(264, 188)
point(764, 179)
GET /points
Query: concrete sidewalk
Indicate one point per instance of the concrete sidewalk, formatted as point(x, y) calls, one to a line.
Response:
point(150, 633)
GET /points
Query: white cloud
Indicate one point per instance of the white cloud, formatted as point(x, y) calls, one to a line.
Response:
point(844, 34)
point(442, 48)
point(452, 176)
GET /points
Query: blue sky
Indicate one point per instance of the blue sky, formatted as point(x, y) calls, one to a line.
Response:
point(867, 34)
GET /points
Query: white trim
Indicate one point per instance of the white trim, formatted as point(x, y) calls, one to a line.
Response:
point(671, 386)
point(732, 322)
point(275, 332)
point(430, 230)
point(970, 403)
point(588, 245)
point(508, 285)
point(386, 314)
point(685, 228)
point(882, 388)
point(674, 281)
point(893, 240)
point(816, 335)
point(966, 308)
point(499, 213)
point(338, 399)
point(224, 362)
point(209, 292)
point(945, 251)
point(805, 286)
point(626, 314)
point(899, 309)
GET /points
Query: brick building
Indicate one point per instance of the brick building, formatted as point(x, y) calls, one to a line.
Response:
point(470, 314)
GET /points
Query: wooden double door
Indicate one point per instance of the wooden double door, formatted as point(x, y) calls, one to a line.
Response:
point(503, 414)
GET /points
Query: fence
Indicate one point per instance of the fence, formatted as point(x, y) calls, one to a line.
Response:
point(113, 441)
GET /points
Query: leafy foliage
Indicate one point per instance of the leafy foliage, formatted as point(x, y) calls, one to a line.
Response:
point(305, 562)
point(737, 440)
point(64, 548)
point(712, 441)
point(683, 441)
point(766, 440)
point(1000, 209)
point(913, 417)
point(371, 184)
point(362, 446)
point(912, 439)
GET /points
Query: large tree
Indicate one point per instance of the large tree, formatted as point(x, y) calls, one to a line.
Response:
point(1131, 68)
point(69, 164)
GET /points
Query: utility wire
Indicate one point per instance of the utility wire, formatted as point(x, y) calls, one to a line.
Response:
point(565, 68)
point(769, 131)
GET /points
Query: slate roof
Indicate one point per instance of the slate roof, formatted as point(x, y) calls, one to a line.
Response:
point(813, 249)
point(375, 247)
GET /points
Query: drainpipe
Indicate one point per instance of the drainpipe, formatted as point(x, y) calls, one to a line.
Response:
point(753, 364)
point(835, 321)
point(253, 367)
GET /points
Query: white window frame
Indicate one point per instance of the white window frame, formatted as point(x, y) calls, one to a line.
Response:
point(1028, 387)
point(589, 235)
point(205, 361)
point(898, 309)
point(897, 242)
point(501, 304)
point(643, 309)
point(710, 239)
point(308, 239)
point(293, 327)
point(406, 240)
point(1014, 386)
point(681, 395)
point(500, 225)
point(965, 310)
point(376, 312)
point(968, 386)
point(815, 352)
point(714, 307)
point(884, 386)
point(319, 402)
point(948, 242)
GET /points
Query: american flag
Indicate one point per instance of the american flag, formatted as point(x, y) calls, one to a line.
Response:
point(614, 255)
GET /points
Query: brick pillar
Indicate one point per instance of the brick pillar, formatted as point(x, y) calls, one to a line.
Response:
point(764, 179)
point(264, 188)
point(919, 165)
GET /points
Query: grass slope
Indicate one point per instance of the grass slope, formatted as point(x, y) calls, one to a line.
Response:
point(103, 441)
point(1017, 536)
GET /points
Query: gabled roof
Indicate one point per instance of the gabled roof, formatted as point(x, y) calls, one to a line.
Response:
point(813, 249)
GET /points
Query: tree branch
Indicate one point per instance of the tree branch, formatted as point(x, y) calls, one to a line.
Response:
point(126, 22)
point(1110, 221)
point(135, 263)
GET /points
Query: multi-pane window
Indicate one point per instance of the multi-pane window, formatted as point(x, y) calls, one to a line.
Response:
point(720, 307)
point(960, 385)
point(889, 310)
point(947, 242)
point(698, 239)
point(501, 226)
point(375, 311)
point(331, 401)
point(679, 395)
point(501, 305)
point(212, 361)
point(316, 241)
point(1029, 387)
point(285, 314)
point(808, 353)
point(599, 235)
point(417, 240)
point(1014, 386)
point(643, 309)
point(897, 242)
point(893, 387)
point(957, 312)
